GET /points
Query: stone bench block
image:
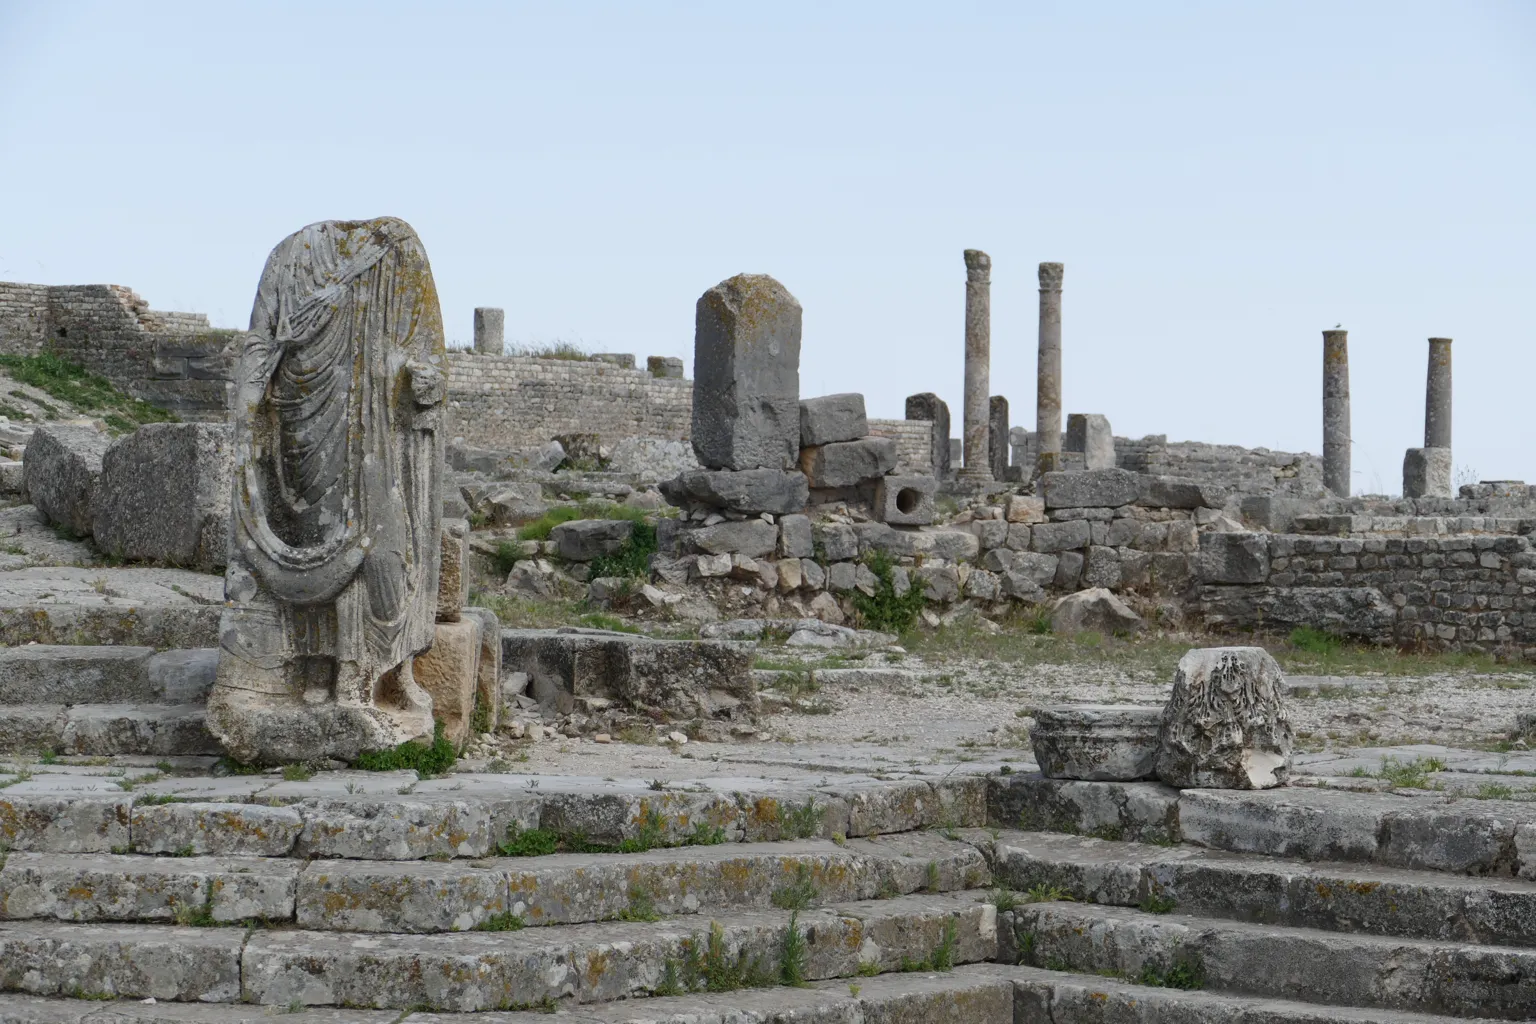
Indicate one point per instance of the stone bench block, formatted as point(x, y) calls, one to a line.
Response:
point(101, 887)
point(164, 495)
point(217, 829)
point(63, 465)
point(126, 961)
point(1094, 488)
point(62, 674)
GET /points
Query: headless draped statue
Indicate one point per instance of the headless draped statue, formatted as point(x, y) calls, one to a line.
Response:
point(334, 543)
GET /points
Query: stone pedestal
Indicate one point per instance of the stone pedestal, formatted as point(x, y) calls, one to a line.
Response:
point(1090, 433)
point(1427, 473)
point(1336, 453)
point(490, 331)
point(1226, 725)
point(1437, 395)
point(1097, 742)
point(1048, 373)
point(978, 365)
point(449, 670)
point(929, 406)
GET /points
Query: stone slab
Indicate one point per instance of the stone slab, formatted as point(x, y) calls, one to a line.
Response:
point(107, 887)
point(127, 961)
point(63, 674)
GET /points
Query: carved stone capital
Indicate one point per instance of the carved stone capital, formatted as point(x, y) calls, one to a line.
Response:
point(1050, 277)
point(978, 266)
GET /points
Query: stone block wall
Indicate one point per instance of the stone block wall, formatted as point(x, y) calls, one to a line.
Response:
point(175, 360)
point(1229, 467)
point(1447, 592)
point(513, 401)
point(914, 444)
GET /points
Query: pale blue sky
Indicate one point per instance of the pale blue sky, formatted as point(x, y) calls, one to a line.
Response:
point(1222, 180)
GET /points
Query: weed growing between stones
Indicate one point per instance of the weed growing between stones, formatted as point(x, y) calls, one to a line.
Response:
point(943, 956)
point(540, 528)
point(931, 877)
point(792, 954)
point(229, 766)
point(151, 799)
point(426, 760)
point(711, 968)
point(642, 907)
point(1315, 641)
point(705, 834)
point(799, 894)
point(1186, 974)
point(1157, 903)
point(1403, 774)
point(633, 559)
point(612, 623)
point(296, 773)
point(803, 822)
point(885, 610)
point(507, 556)
point(530, 842)
point(503, 922)
point(1003, 899)
point(1046, 893)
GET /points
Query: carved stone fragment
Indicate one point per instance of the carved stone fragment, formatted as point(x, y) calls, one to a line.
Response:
point(1226, 724)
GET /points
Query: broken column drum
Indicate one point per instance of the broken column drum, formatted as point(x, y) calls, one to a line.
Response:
point(997, 436)
point(335, 543)
point(1048, 372)
point(978, 364)
point(1336, 454)
point(490, 331)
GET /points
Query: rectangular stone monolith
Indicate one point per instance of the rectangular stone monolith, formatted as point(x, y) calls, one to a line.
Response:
point(929, 406)
point(1048, 372)
point(1336, 453)
point(832, 418)
point(1090, 433)
point(978, 364)
point(746, 367)
point(997, 436)
point(1427, 473)
point(490, 331)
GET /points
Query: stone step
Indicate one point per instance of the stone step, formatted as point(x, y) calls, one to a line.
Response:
point(103, 730)
point(462, 972)
point(396, 816)
point(160, 608)
point(1331, 897)
point(1052, 996)
point(974, 994)
point(1304, 964)
point(1461, 835)
point(64, 674)
point(1422, 831)
point(424, 896)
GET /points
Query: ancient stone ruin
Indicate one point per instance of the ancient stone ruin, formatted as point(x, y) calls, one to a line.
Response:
point(349, 676)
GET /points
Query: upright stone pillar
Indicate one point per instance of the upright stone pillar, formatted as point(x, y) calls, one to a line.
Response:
point(978, 364)
point(1427, 471)
point(997, 436)
point(490, 331)
point(1048, 374)
point(1336, 454)
point(1437, 395)
point(929, 406)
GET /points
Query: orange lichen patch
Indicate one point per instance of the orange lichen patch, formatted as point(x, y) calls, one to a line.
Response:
point(853, 933)
point(81, 892)
point(1324, 890)
point(1099, 997)
point(1363, 888)
point(233, 821)
point(598, 963)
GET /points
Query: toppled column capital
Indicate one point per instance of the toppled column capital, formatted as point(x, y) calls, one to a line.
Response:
point(978, 266)
point(1050, 276)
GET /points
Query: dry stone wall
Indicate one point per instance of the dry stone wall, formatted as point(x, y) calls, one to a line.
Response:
point(914, 444)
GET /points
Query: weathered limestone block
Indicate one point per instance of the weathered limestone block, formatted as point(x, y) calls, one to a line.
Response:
point(905, 500)
point(837, 541)
point(163, 495)
point(795, 537)
point(488, 678)
point(1177, 492)
point(336, 539)
point(1026, 509)
point(939, 582)
point(1096, 609)
point(665, 367)
point(1427, 473)
point(753, 490)
point(746, 367)
point(220, 829)
point(1090, 434)
point(832, 418)
point(490, 330)
point(453, 578)
point(997, 436)
point(1234, 557)
point(847, 463)
point(1052, 537)
point(930, 407)
point(449, 671)
point(1097, 488)
point(1097, 742)
point(1101, 567)
point(675, 679)
point(1226, 724)
point(585, 539)
point(754, 538)
point(61, 466)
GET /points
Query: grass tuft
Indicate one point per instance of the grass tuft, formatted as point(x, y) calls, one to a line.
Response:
point(427, 760)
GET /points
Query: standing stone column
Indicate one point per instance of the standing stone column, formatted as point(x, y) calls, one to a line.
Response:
point(929, 406)
point(1427, 471)
point(978, 364)
point(1336, 453)
point(1048, 374)
point(1437, 395)
point(490, 331)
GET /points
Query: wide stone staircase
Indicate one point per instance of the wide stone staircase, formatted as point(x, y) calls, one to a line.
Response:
point(963, 894)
